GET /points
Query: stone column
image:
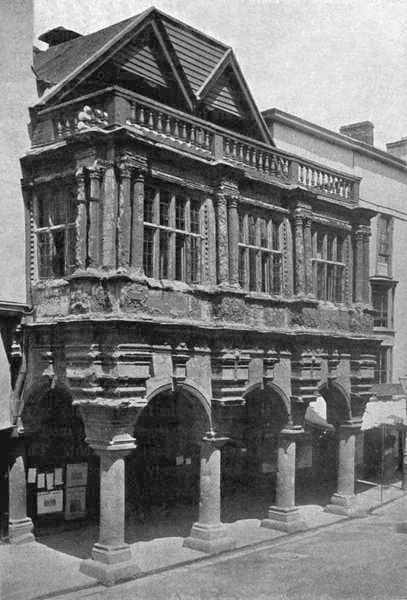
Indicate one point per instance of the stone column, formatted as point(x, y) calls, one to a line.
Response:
point(359, 266)
point(209, 534)
point(299, 266)
point(109, 432)
point(81, 225)
point(222, 246)
point(109, 221)
point(284, 515)
point(404, 466)
point(233, 227)
point(95, 234)
point(344, 499)
point(20, 525)
point(366, 262)
point(124, 228)
point(137, 225)
point(348, 249)
point(309, 288)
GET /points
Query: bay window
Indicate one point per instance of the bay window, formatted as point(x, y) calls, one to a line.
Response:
point(260, 256)
point(54, 221)
point(172, 235)
point(328, 264)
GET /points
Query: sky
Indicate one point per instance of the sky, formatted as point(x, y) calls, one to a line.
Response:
point(332, 62)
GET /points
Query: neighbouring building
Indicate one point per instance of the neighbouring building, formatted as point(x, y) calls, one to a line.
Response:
point(194, 288)
point(16, 19)
point(383, 188)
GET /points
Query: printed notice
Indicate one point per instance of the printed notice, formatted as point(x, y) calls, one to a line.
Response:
point(32, 475)
point(59, 480)
point(188, 461)
point(49, 502)
point(50, 481)
point(41, 480)
point(179, 461)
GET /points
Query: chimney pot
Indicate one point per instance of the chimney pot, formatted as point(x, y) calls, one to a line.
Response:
point(398, 148)
point(363, 131)
point(58, 35)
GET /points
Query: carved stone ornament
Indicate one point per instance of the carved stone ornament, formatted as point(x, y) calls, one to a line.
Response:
point(109, 427)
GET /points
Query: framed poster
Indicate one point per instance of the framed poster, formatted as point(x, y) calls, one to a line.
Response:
point(49, 502)
point(76, 474)
point(75, 503)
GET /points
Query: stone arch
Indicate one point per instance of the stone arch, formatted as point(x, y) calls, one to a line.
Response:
point(274, 388)
point(34, 397)
point(188, 386)
point(337, 401)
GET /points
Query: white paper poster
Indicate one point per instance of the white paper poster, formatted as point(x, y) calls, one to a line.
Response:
point(49, 502)
point(59, 480)
point(179, 461)
point(41, 480)
point(76, 474)
point(50, 481)
point(188, 461)
point(75, 503)
point(32, 475)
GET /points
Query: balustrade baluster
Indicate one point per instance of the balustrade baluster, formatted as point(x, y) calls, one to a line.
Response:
point(142, 116)
point(151, 119)
point(133, 112)
point(168, 126)
point(184, 130)
point(176, 129)
point(59, 129)
point(159, 122)
point(227, 146)
point(207, 142)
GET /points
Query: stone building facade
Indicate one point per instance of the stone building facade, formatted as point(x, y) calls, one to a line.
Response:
point(194, 288)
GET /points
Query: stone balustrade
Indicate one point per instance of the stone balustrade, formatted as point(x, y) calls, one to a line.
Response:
point(72, 121)
point(269, 162)
point(171, 126)
point(326, 181)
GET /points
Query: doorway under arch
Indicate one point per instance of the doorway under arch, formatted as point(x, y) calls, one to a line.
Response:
point(62, 470)
point(249, 459)
point(162, 474)
point(322, 420)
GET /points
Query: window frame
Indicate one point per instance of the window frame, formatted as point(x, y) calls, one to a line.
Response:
point(260, 254)
point(384, 374)
point(65, 195)
point(384, 267)
point(328, 271)
point(182, 257)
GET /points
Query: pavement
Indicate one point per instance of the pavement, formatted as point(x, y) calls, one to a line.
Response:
point(49, 567)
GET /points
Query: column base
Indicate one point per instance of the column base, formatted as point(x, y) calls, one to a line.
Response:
point(209, 538)
point(342, 504)
point(284, 519)
point(110, 564)
point(20, 531)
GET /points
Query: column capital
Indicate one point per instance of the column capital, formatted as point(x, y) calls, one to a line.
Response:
point(291, 431)
point(215, 440)
point(350, 426)
point(80, 175)
point(109, 428)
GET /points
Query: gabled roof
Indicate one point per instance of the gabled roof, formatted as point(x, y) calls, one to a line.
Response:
point(196, 60)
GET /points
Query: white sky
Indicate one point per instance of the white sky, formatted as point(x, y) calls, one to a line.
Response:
point(332, 62)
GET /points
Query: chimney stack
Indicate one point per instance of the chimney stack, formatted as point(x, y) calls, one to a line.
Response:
point(398, 149)
point(58, 35)
point(363, 131)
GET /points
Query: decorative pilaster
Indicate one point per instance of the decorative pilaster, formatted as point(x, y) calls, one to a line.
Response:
point(404, 472)
point(109, 432)
point(81, 225)
point(299, 268)
point(109, 224)
point(124, 229)
point(366, 285)
point(359, 265)
point(284, 515)
point(209, 534)
point(308, 256)
point(233, 227)
point(95, 233)
point(348, 269)
point(230, 375)
point(20, 525)
point(343, 501)
point(137, 225)
point(222, 245)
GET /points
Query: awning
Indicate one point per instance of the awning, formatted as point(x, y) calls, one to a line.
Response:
point(313, 419)
point(387, 406)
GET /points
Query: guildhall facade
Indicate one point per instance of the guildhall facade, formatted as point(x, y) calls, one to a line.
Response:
point(194, 288)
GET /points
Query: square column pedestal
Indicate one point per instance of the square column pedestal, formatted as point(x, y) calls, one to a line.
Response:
point(343, 502)
point(209, 534)
point(111, 557)
point(285, 516)
point(20, 528)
